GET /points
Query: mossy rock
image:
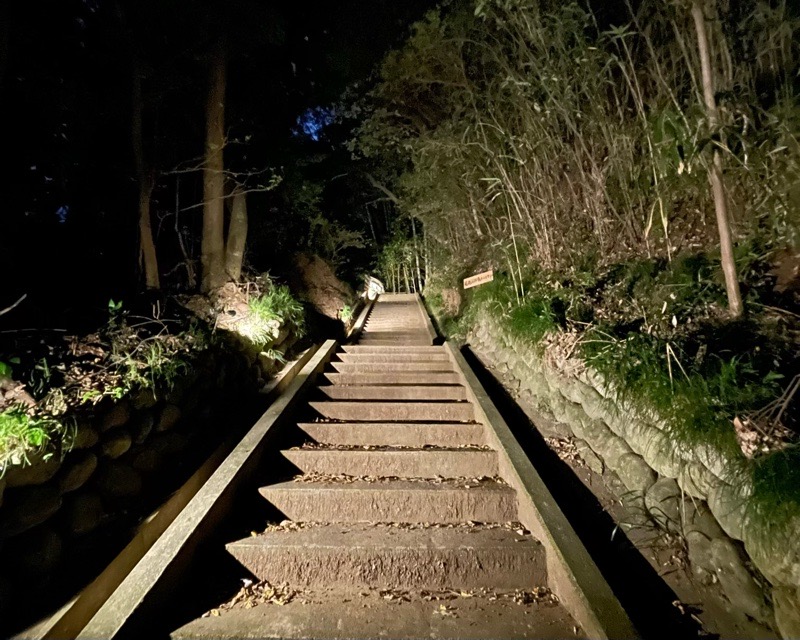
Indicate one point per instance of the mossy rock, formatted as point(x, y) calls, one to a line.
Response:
point(42, 466)
point(573, 414)
point(141, 426)
point(635, 473)
point(116, 416)
point(663, 501)
point(168, 444)
point(588, 455)
point(658, 450)
point(740, 588)
point(786, 601)
point(115, 480)
point(144, 399)
point(570, 389)
point(728, 503)
point(76, 471)
point(169, 416)
point(147, 461)
point(117, 444)
point(82, 513)
point(774, 548)
point(27, 507)
point(84, 437)
point(695, 479)
point(595, 405)
point(608, 445)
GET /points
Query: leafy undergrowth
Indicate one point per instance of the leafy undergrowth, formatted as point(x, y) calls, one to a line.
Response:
point(277, 305)
point(21, 433)
point(660, 334)
point(44, 382)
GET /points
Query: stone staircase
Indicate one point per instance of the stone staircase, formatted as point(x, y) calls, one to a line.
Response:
point(397, 524)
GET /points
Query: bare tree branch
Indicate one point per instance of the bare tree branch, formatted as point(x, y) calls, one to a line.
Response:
point(382, 188)
point(7, 309)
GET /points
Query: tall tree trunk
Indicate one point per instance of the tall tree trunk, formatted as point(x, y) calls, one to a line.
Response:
point(212, 248)
point(371, 226)
point(191, 278)
point(148, 259)
point(237, 236)
point(416, 255)
point(4, 44)
point(425, 244)
point(715, 170)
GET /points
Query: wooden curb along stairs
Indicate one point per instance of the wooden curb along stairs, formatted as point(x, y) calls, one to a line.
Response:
point(414, 513)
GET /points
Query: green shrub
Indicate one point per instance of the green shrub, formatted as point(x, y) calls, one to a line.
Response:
point(274, 308)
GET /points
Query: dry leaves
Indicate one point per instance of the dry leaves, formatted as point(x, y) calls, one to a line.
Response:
point(566, 449)
point(754, 440)
point(287, 526)
point(317, 446)
point(255, 593)
point(343, 478)
point(522, 597)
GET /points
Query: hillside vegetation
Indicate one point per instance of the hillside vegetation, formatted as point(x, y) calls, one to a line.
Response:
point(573, 151)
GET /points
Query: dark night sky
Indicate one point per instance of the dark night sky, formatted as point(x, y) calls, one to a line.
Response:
point(69, 224)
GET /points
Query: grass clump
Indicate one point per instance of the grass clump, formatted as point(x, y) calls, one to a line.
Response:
point(776, 487)
point(532, 320)
point(22, 434)
point(269, 311)
point(346, 314)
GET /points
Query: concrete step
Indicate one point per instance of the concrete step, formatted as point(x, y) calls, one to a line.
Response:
point(375, 336)
point(394, 411)
point(394, 356)
point(386, 557)
point(394, 392)
point(390, 367)
point(412, 434)
point(335, 615)
point(403, 463)
point(389, 342)
point(395, 330)
point(360, 348)
point(433, 377)
point(400, 324)
point(395, 323)
point(393, 501)
point(409, 330)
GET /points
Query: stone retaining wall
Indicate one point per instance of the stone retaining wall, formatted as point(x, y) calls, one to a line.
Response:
point(687, 491)
point(121, 460)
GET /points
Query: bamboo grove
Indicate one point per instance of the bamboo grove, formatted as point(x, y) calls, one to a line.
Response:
point(536, 135)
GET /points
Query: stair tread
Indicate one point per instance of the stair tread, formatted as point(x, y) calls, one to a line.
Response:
point(390, 483)
point(417, 434)
point(407, 392)
point(339, 615)
point(408, 377)
point(392, 535)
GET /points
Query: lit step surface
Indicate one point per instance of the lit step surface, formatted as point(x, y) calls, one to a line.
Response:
point(403, 463)
point(377, 500)
point(408, 434)
point(391, 557)
point(400, 411)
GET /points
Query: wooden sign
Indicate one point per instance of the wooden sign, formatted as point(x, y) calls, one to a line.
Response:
point(481, 278)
